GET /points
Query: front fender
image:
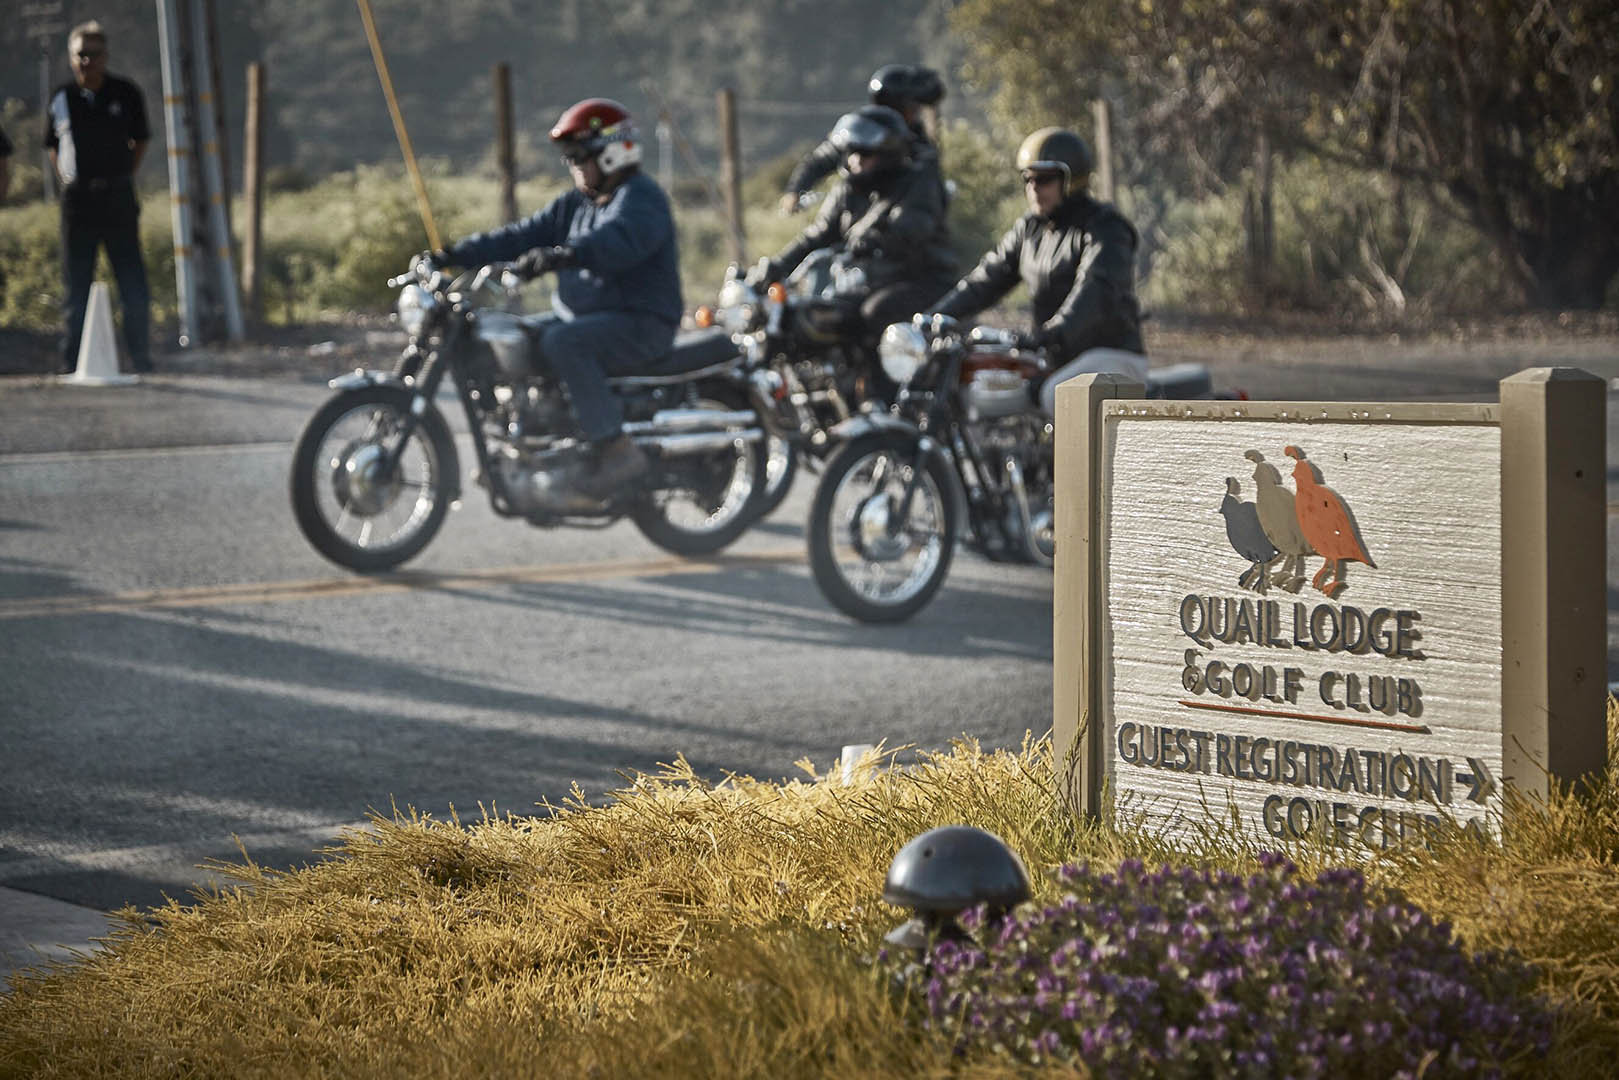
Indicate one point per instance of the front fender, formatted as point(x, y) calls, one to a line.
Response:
point(870, 423)
point(361, 377)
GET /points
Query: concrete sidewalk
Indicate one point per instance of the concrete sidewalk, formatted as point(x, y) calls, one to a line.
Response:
point(35, 929)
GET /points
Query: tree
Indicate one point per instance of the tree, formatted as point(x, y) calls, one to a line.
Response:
point(1506, 106)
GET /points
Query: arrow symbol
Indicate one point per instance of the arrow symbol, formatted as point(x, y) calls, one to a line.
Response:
point(1481, 781)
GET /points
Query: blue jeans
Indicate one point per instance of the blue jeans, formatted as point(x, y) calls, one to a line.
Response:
point(106, 213)
point(586, 351)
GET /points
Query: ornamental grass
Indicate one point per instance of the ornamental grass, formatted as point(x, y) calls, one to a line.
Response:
point(690, 928)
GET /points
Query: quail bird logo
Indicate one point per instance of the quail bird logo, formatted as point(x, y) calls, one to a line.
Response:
point(1291, 527)
point(1247, 537)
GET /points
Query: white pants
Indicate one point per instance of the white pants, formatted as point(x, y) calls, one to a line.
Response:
point(1117, 361)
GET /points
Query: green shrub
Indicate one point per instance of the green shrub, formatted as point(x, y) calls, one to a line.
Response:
point(1347, 242)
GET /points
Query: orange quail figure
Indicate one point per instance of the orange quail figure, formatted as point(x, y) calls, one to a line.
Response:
point(1327, 523)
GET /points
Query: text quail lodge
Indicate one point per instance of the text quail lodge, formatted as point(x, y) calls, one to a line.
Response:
point(1322, 628)
point(1333, 636)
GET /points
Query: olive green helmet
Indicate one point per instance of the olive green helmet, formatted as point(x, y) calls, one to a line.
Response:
point(1057, 149)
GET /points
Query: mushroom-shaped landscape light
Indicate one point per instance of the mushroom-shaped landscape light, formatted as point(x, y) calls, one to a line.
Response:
point(945, 871)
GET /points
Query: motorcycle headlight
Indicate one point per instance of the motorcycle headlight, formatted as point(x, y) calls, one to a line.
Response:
point(735, 306)
point(902, 350)
point(415, 305)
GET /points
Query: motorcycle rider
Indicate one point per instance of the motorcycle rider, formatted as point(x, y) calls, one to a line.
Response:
point(912, 91)
point(611, 242)
point(888, 213)
point(1076, 256)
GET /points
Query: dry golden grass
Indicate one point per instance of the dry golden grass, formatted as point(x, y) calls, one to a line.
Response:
point(688, 929)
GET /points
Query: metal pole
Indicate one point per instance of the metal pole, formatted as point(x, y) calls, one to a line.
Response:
point(214, 179)
point(253, 190)
point(505, 164)
point(731, 173)
point(174, 119)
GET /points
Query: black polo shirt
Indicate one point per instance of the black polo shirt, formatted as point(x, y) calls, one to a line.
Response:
point(91, 132)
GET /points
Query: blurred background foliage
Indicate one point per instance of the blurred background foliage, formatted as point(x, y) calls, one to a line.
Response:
point(1381, 163)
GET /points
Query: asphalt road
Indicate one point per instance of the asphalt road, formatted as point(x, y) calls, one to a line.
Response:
point(182, 671)
point(181, 668)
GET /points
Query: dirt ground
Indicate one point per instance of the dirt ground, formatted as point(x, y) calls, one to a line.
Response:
point(1284, 358)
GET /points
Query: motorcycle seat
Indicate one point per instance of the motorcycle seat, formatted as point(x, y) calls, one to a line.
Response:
point(1179, 381)
point(694, 353)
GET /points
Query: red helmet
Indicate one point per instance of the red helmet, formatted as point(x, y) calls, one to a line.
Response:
point(598, 128)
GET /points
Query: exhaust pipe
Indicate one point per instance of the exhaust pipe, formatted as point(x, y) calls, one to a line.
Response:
point(670, 421)
point(698, 442)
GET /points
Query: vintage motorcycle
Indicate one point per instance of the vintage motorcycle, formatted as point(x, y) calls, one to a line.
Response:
point(375, 471)
point(967, 440)
point(803, 357)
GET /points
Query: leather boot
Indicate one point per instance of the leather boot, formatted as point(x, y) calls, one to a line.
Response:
point(618, 462)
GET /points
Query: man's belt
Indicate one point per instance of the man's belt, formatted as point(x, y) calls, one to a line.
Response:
point(100, 183)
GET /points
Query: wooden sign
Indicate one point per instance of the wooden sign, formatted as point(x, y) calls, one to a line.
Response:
point(1324, 618)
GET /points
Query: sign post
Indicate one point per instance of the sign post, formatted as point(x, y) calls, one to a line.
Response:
point(1347, 620)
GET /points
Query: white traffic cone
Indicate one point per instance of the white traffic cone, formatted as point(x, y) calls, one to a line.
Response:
point(98, 349)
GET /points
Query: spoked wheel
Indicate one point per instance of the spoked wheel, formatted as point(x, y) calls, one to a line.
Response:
point(710, 498)
point(781, 466)
point(873, 559)
point(349, 504)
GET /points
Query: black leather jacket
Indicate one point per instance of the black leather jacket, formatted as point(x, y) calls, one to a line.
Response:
point(826, 159)
point(1080, 271)
point(899, 223)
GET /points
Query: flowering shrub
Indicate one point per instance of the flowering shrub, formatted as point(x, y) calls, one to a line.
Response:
point(1182, 972)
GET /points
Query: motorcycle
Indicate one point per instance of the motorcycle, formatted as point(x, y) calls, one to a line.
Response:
point(375, 471)
point(803, 357)
point(967, 440)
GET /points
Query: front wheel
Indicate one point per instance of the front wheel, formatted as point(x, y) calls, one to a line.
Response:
point(351, 506)
point(873, 558)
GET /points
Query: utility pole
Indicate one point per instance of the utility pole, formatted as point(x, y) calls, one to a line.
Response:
point(46, 24)
point(213, 173)
point(178, 123)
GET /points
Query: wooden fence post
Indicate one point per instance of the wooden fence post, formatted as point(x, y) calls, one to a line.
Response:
point(731, 173)
point(505, 161)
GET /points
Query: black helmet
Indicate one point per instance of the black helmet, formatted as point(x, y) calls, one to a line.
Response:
point(891, 85)
point(1056, 149)
point(928, 87)
point(872, 129)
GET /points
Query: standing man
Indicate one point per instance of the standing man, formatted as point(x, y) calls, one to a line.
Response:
point(96, 133)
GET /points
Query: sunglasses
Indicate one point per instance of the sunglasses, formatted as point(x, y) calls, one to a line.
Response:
point(88, 54)
point(1041, 178)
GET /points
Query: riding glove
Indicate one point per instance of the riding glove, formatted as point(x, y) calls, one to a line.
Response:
point(542, 260)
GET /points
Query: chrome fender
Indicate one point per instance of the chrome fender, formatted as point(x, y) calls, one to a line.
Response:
point(872, 423)
point(361, 377)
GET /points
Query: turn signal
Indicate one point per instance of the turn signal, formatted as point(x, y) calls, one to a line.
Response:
point(777, 292)
point(703, 317)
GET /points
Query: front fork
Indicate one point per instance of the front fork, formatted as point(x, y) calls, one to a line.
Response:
point(429, 374)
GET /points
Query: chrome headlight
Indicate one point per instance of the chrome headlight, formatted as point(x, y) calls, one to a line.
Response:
point(734, 309)
point(902, 350)
point(415, 305)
